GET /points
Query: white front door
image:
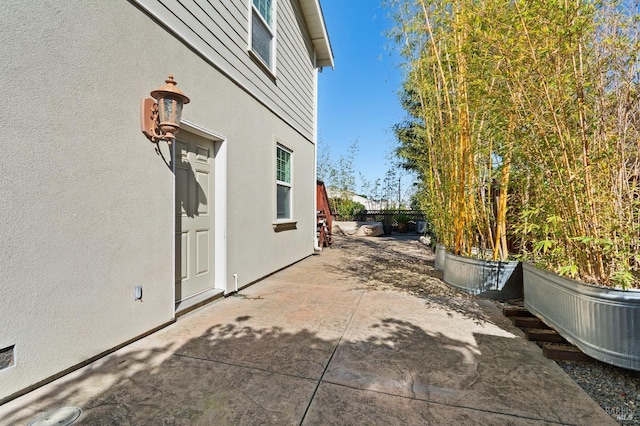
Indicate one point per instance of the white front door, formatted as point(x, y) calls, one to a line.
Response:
point(195, 239)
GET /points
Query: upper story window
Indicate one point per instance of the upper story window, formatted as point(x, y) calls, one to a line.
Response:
point(263, 31)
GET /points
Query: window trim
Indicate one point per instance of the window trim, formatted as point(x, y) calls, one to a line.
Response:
point(271, 66)
point(284, 224)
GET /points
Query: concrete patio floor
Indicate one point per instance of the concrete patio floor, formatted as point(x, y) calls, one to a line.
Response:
point(315, 344)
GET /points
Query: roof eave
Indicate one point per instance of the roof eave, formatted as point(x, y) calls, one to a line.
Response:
point(312, 12)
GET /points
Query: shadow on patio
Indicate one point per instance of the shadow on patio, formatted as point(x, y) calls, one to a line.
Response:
point(403, 264)
point(360, 334)
point(236, 374)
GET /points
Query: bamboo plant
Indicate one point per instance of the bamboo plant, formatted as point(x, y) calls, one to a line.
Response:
point(579, 99)
point(448, 140)
point(525, 129)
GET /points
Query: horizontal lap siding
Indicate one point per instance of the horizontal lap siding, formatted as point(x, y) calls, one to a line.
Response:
point(294, 59)
point(219, 31)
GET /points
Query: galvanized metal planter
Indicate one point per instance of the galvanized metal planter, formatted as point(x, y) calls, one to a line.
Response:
point(440, 251)
point(485, 278)
point(603, 322)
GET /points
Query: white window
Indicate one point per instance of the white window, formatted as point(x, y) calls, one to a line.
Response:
point(283, 183)
point(263, 31)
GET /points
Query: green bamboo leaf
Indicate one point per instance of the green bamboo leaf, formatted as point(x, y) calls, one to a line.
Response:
point(623, 279)
point(543, 246)
point(554, 219)
point(568, 271)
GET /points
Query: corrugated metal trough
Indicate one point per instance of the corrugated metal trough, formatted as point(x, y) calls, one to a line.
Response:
point(603, 322)
point(485, 278)
point(440, 251)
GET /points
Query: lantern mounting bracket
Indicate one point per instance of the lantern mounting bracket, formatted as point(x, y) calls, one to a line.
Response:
point(149, 120)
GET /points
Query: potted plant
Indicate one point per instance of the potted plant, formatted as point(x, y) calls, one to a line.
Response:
point(387, 226)
point(402, 219)
point(548, 141)
point(459, 143)
point(387, 222)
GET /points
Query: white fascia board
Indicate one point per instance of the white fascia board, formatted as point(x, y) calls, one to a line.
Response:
point(312, 12)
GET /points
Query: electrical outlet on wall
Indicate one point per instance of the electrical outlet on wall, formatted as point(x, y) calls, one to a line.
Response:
point(137, 293)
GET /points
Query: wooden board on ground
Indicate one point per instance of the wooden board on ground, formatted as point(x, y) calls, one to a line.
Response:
point(564, 352)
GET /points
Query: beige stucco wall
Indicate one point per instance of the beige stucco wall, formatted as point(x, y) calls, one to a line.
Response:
point(87, 203)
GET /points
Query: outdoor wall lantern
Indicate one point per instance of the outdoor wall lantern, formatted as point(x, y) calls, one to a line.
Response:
point(160, 119)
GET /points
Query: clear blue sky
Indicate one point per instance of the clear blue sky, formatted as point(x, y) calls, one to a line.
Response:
point(358, 100)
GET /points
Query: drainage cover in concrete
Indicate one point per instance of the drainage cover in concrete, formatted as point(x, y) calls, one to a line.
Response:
point(61, 417)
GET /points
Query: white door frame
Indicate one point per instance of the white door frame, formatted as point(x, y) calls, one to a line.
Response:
point(220, 202)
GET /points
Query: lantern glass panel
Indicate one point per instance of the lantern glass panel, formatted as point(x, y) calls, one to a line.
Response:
point(170, 110)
